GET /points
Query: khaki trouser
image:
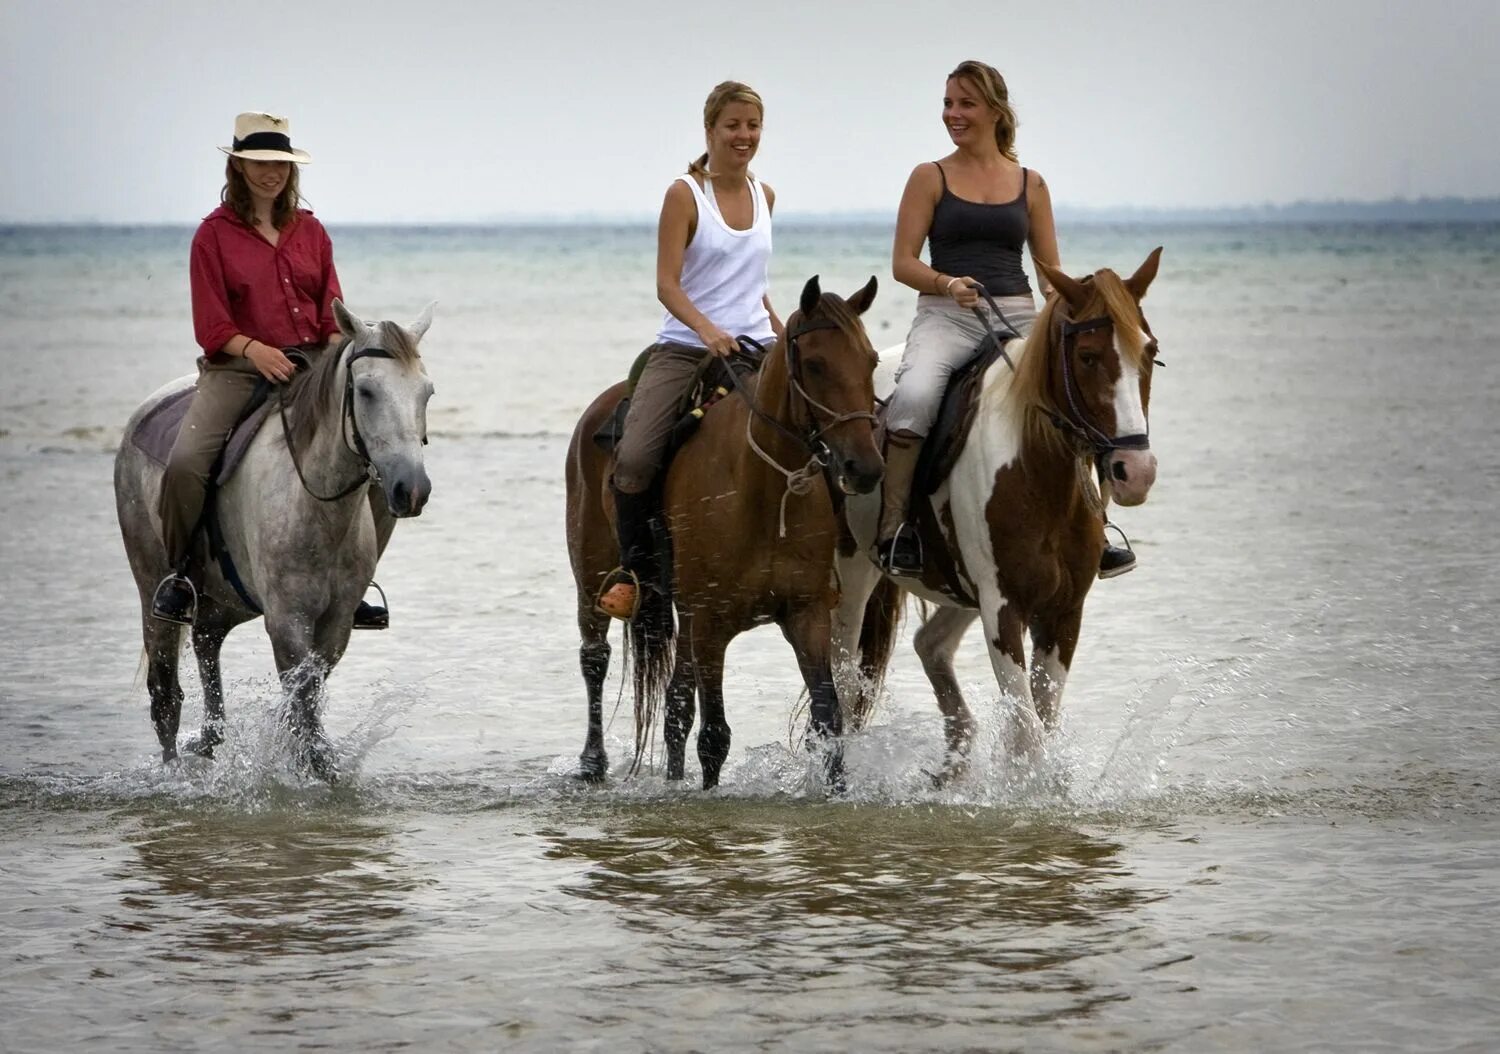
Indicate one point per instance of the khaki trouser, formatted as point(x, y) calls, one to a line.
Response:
point(223, 390)
point(653, 412)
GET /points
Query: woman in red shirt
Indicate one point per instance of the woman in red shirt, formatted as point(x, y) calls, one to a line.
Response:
point(262, 279)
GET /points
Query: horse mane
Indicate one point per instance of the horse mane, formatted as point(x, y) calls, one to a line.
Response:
point(838, 309)
point(311, 390)
point(1029, 397)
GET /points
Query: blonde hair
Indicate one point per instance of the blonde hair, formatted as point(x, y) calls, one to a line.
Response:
point(994, 92)
point(722, 95)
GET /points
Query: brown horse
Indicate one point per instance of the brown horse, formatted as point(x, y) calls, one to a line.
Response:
point(1014, 534)
point(752, 524)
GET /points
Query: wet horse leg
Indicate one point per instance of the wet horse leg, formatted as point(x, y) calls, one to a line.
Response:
point(593, 660)
point(208, 640)
point(713, 734)
point(1004, 631)
point(680, 698)
point(936, 643)
point(163, 642)
point(807, 630)
point(303, 672)
point(1052, 645)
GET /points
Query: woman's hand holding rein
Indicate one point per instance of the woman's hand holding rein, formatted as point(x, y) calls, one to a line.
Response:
point(717, 341)
point(962, 290)
point(271, 363)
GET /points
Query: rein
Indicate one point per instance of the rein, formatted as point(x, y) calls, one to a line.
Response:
point(798, 481)
point(348, 425)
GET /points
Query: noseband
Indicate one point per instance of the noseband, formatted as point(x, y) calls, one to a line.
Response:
point(348, 428)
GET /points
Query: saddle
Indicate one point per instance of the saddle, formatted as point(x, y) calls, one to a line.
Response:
point(158, 430)
point(714, 380)
point(955, 418)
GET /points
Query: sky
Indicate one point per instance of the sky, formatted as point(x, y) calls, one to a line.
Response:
point(431, 110)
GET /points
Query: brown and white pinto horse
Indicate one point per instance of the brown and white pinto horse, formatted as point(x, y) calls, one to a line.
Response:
point(749, 544)
point(1017, 526)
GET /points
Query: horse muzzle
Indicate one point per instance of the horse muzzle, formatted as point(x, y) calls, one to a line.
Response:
point(406, 493)
point(860, 474)
point(1131, 474)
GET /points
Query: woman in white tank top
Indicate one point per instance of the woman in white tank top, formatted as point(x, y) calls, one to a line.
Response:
point(713, 251)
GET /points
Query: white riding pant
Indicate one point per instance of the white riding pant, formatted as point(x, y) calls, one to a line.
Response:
point(943, 337)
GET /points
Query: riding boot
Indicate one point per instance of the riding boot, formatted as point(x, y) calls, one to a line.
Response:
point(1115, 561)
point(898, 549)
point(371, 616)
point(176, 600)
point(638, 569)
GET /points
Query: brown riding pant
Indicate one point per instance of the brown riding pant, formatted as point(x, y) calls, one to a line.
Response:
point(224, 388)
point(653, 411)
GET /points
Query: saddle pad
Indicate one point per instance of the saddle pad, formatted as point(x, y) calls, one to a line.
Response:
point(158, 430)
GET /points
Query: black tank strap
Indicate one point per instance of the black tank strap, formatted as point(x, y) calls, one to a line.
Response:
point(942, 175)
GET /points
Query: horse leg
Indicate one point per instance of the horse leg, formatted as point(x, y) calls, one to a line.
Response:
point(807, 630)
point(163, 642)
point(1004, 632)
point(303, 672)
point(936, 643)
point(680, 699)
point(713, 734)
point(593, 660)
point(857, 580)
point(1052, 645)
point(208, 639)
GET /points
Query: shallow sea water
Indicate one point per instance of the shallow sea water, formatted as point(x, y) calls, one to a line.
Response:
point(1269, 822)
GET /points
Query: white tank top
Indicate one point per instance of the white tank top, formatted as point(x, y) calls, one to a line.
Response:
point(725, 272)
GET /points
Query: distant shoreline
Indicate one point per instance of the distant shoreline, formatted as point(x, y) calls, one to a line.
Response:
point(1394, 210)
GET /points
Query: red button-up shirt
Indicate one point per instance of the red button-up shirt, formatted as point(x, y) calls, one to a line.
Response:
point(280, 295)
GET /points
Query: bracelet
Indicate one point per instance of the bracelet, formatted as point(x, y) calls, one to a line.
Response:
point(937, 279)
point(948, 289)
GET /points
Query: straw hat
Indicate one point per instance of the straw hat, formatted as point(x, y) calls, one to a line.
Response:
point(264, 137)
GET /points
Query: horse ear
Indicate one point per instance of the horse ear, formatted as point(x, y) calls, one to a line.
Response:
point(1139, 282)
point(862, 300)
point(811, 294)
point(349, 322)
point(1071, 288)
point(419, 327)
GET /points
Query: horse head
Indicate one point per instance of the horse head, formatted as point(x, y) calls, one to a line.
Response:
point(1100, 357)
point(386, 391)
point(831, 364)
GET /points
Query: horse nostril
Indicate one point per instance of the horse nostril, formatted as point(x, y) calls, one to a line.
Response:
point(1118, 471)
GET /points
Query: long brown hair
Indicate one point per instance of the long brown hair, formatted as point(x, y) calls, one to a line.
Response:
point(236, 196)
point(992, 89)
point(722, 95)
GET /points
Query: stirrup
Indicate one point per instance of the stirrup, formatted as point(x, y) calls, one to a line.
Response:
point(620, 576)
point(1116, 560)
point(375, 617)
point(885, 551)
point(192, 611)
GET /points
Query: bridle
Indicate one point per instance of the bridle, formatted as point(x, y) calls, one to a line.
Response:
point(348, 428)
point(1076, 422)
point(820, 455)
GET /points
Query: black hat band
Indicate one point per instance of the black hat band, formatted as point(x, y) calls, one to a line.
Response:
point(265, 141)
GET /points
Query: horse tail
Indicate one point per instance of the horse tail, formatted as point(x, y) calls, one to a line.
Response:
point(877, 635)
point(651, 637)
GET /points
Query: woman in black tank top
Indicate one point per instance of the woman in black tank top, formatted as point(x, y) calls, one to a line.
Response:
point(976, 209)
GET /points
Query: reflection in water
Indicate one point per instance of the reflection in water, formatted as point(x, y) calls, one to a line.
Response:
point(869, 900)
point(264, 885)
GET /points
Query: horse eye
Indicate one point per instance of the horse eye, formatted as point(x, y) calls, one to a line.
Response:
point(1089, 358)
point(814, 367)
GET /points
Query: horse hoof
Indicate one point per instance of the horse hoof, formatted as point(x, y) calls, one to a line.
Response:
point(592, 768)
point(202, 744)
point(323, 764)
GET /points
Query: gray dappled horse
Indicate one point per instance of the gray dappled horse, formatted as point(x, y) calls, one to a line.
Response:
point(297, 527)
